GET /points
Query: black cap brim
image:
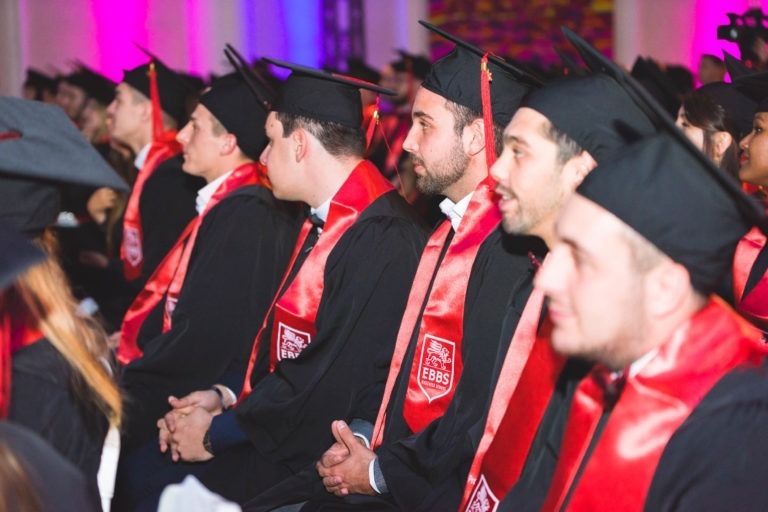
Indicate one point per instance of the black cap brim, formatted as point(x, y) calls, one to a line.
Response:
point(596, 61)
point(49, 147)
point(331, 77)
point(518, 73)
point(18, 254)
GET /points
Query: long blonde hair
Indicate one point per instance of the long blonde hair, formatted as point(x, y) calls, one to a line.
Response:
point(43, 298)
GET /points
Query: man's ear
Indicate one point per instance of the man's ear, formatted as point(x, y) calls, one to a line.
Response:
point(473, 137)
point(300, 141)
point(228, 145)
point(577, 168)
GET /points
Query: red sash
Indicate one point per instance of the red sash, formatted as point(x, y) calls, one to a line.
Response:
point(755, 305)
point(131, 249)
point(654, 403)
point(526, 383)
point(293, 312)
point(169, 275)
point(437, 363)
point(13, 336)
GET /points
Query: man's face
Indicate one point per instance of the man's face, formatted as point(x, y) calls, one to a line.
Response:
point(279, 158)
point(126, 115)
point(694, 133)
point(596, 292)
point(202, 148)
point(71, 99)
point(530, 178)
point(437, 151)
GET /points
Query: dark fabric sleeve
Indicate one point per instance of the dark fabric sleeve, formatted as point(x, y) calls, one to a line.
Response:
point(240, 254)
point(432, 465)
point(167, 204)
point(717, 459)
point(225, 432)
point(367, 279)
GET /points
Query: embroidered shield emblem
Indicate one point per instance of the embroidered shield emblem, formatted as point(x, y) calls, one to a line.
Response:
point(436, 367)
point(290, 342)
point(132, 245)
point(482, 500)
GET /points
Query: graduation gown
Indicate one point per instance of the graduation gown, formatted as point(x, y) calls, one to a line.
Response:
point(45, 399)
point(167, 204)
point(427, 471)
point(288, 414)
point(56, 482)
point(717, 459)
point(671, 390)
point(242, 248)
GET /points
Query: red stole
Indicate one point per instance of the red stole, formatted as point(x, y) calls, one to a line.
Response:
point(131, 249)
point(437, 360)
point(755, 305)
point(526, 383)
point(13, 336)
point(168, 278)
point(294, 310)
point(654, 403)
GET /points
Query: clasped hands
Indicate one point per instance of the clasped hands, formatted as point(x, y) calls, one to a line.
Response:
point(183, 428)
point(344, 466)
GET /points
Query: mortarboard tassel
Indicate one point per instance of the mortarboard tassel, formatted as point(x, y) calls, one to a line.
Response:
point(154, 96)
point(372, 124)
point(485, 94)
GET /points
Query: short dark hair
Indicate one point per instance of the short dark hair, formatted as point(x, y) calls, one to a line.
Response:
point(463, 116)
point(567, 148)
point(336, 139)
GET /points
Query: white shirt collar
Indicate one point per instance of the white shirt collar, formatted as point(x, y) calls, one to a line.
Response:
point(637, 366)
point(204, 194)
point(455, 211)
point(322, 212)
point(141, 157)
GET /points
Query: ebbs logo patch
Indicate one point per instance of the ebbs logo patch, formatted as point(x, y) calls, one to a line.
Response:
point(436, 367)
point(132, 246)
point(482, 499)
point(290, 342)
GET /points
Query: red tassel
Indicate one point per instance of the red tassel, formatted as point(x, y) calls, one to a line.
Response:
point(10, 135)
point(157, 110)
point(372, 124)
point(485, 94)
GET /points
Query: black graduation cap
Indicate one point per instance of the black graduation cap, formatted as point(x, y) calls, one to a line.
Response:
point(755, 86)
point(95, 85)
point(40, 148)
point(675, 197)
point(240, 112)
point(594, 111)
point(417, 65)
point(661, 87)
point(324, 96)
point(357, 68)
point(738, 106)
point(260, 85)
point(17, 254)
point(570, 67)
point(456, 77)
point(172, 87)
point(736, 68)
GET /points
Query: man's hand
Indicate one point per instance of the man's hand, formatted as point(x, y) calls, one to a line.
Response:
point(350, 475)
point(186, 437)
point(207, 399)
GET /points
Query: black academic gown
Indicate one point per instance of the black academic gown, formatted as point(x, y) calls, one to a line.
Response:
point(57, 484)
point(427, 470)
point(242, 248)
point(167, 204)
point(288, 415)
point(717, 459)
point(46, 399)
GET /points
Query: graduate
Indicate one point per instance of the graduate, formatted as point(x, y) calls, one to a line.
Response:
point(54, 362)
point(148, 108)
point(180, 334)
point(679, 388)
point(329, 334)
point(449, 333)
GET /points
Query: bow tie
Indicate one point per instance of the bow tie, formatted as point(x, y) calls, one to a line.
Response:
point(316, 221)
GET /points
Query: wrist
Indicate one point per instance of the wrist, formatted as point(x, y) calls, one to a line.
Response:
point(222, 399)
